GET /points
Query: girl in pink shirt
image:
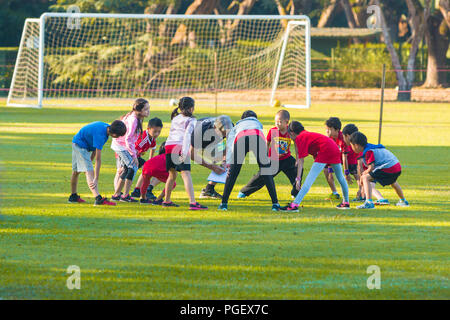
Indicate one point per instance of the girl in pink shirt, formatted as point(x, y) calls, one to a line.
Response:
point(177, 151)
point(126, 151)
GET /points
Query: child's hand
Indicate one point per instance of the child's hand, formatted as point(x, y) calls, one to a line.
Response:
point(93, 184)
point(218, 169)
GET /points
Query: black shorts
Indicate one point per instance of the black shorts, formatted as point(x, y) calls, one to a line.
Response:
point(384, 178)
point(141, 162)
point(178, 167)
point(353, 168)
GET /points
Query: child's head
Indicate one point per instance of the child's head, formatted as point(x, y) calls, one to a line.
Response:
point(141, 107)
point(248, 114)
point(154, 127)
point(333, 125)
point(185, 107)
point(223, 124)
point(294, 129)
point(358, 141)
point(282, 120)
point(347, 132)
point(162, 148)
point(117, 129)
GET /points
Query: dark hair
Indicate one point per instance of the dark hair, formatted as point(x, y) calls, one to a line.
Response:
point(358, 138)
point(162, 148)
point(138, 105)
point(248, 114)
point(118, 127)
point(349, 129)
point(155, 122)
point(284, 114)
point(333, 122)
point(184, 105)
point(295, 127)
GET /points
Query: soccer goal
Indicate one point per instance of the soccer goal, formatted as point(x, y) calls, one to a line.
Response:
point(80, 59)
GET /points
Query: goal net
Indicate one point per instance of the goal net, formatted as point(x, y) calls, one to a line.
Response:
point(80, 59)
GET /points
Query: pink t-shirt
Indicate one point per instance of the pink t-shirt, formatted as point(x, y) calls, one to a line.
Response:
point(127, 142)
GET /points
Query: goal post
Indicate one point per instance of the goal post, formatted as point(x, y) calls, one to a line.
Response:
point(85, 58)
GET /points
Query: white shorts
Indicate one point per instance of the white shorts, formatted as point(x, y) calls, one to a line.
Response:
point(81, 159)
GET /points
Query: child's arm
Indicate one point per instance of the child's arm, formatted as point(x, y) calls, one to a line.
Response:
point(187, 139)
point(93, 155)
point(298, 181)
point(151, 153)
point(346, 171)
point(130, 141)
point(370, 168)
point(98, 164)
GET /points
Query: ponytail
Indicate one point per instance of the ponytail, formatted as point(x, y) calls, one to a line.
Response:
point(174, 113)
point(184, 105)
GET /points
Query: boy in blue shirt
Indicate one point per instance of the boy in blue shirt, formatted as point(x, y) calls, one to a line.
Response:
point(91, 138)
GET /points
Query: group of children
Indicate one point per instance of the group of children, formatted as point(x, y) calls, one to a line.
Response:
point(345, 154)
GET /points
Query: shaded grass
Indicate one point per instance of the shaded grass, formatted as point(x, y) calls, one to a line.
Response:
point(249, 252)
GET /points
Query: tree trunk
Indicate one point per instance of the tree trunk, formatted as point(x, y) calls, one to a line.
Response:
point(444, 7)
point(350, 17)
point(404, 94)
point(183, 35)
point(228, 28)
point(436, 31)
point(327, 14)
point(417, 31)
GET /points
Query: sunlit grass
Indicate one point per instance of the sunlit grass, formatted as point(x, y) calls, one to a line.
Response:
point(146, 252)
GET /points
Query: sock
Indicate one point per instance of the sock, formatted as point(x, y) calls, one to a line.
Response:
point(209, 187)
point(99, 197)
point(150, 188)
point(137, 189)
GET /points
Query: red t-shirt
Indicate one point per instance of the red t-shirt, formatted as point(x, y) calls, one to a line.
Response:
point(352, 157)
point(281, 142)
point(144, 142)
point(321, 147)
point(370, 158)
point(156, 167)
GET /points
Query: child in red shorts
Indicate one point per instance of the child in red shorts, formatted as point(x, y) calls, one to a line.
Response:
point(154, 167)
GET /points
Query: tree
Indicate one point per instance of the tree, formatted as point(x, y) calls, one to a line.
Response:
point(437, 38)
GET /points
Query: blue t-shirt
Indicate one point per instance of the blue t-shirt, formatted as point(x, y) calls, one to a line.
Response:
point(92, 136)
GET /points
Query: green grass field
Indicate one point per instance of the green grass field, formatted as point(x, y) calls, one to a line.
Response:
point(146, 252)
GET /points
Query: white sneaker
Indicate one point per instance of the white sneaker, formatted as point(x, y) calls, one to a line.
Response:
point(402, 203)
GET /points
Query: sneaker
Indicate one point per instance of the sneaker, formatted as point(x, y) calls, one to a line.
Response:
point(382, 202)
point(333, 196)
point(104, 202)
point(223, 206)
point(359, 199)
point(292, 207)
point(205, 194)
point(136, 193)
point(343, 205)
point(402, 203)
point(366, 205)
point(150, 195)
point(158, 202)
point(145, 201)
point(197, 206)
point(75, 198)
point(241, 195)
point(116, 198)
point(276, 207)
point(169, 204)
point(128, 198)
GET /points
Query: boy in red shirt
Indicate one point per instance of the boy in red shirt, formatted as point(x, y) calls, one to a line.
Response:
point(278, 144)
point(325, 151)
point(333, 128)
point(382, 167)
point(154, 168)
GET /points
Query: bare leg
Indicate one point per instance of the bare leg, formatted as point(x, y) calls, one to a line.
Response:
point(399, 190)
point(74, 181)
point(330, 180)
point(128, 184)
point(367, 186)
point(187, 179)
point(89, 178)
point(375, 192)
point(169, 183)
point(119, 188)
point(139, 182)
